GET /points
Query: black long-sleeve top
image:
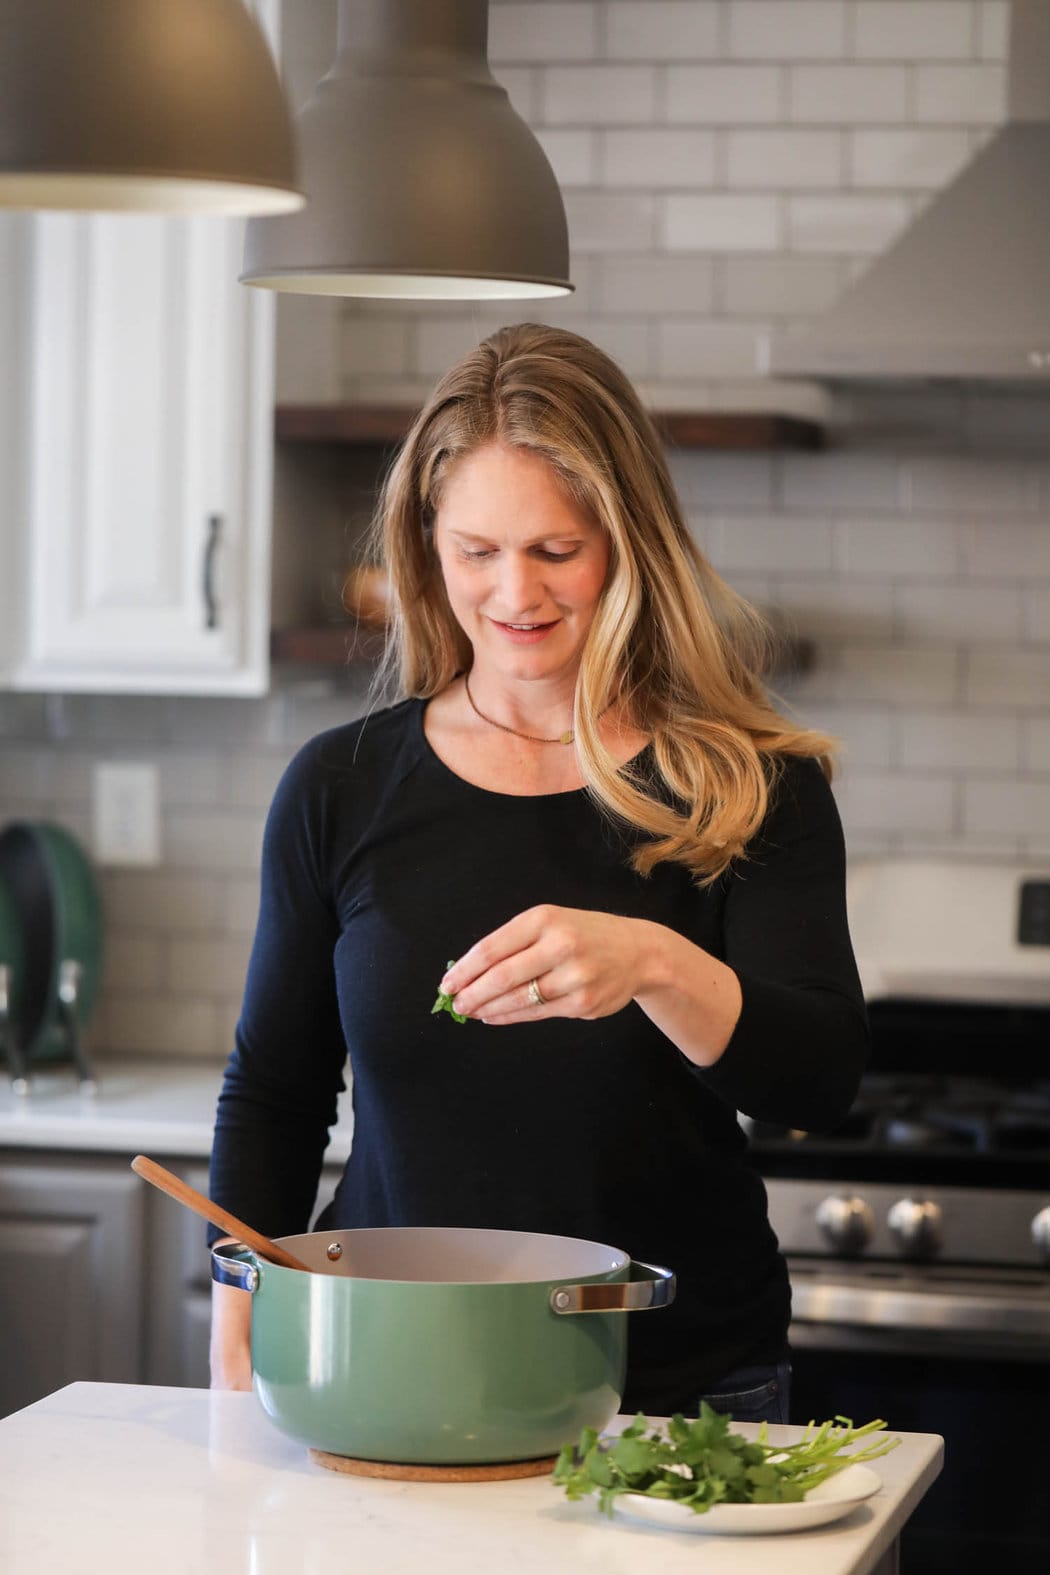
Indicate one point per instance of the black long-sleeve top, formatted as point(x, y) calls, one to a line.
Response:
point(380, 864)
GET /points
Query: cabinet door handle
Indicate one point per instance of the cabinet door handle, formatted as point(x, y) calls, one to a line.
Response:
point(211, 548)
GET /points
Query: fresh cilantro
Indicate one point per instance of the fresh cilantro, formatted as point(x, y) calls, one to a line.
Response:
point(702, 1463)
point(444, 1002)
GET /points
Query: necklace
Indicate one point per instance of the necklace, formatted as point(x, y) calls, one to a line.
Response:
point(562, 738)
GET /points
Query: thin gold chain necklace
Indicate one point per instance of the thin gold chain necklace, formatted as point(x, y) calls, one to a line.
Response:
point(562, 738)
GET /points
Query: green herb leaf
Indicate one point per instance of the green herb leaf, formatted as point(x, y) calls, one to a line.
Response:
point(632, 1455)
point(444, 1002)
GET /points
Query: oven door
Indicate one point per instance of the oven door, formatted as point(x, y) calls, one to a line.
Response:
point(919, 1309)
point(931, 1350)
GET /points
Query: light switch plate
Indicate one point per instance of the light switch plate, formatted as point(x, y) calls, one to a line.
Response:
point(126, 813)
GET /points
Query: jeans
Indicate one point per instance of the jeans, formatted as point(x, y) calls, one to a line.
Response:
point(753, 1394)
point(759, 1393)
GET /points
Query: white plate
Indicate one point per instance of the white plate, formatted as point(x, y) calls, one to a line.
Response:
point(830, 1501)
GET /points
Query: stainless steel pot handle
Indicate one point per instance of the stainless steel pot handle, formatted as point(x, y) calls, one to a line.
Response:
point(232, 1263)
point(649, 1286)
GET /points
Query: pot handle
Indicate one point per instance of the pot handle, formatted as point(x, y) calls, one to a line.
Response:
point(232, 1263)
point(649, 1286)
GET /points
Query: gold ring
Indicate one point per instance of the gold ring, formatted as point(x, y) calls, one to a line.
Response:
point(536, 995)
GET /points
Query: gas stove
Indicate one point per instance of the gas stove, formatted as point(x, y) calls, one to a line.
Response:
point(953, 1097)
point(926, 1213)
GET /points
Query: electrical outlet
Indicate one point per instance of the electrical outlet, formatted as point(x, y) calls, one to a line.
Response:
point(1033, 919)
point(126, 813)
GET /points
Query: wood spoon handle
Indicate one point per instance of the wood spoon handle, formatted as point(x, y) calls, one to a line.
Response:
point(150, 1171)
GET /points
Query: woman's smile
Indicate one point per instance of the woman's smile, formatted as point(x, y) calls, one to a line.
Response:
point(526, 633)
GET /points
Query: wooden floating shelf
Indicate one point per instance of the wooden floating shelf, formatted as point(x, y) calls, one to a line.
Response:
point(726, 429)
point(327, 645)
point(364, 426)
point(359, 644)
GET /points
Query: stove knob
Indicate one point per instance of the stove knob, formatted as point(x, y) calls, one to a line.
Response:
point(847, 1223)
point(1041, 1232)
point(917, 1227)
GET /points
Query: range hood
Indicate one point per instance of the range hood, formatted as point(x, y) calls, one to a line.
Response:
point(965, 292)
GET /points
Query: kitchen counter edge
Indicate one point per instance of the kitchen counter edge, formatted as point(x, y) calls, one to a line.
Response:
point(163, 1106)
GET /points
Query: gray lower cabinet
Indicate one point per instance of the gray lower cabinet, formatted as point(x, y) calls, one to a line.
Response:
point(102, 1277)
point(179, 1291)
point(72, 1238)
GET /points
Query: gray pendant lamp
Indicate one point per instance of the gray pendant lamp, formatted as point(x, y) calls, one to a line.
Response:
point(158, 105)
point(421, 180)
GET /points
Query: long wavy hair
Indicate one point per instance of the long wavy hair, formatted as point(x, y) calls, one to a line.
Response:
point(670, 641)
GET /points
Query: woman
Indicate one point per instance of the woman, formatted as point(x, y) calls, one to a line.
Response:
point(589, 802)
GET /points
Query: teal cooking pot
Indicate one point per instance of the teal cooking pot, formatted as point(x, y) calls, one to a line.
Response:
point(438, 1346)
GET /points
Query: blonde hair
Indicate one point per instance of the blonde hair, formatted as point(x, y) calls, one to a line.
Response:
point(670, 640)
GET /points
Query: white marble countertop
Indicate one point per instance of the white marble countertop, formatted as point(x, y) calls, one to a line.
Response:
point(112, 1477)
point(161, 1107)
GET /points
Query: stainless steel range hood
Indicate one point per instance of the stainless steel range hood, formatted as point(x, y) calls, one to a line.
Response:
point(965, 292)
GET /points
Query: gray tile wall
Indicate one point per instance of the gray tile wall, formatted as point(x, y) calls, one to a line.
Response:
point(727, 165)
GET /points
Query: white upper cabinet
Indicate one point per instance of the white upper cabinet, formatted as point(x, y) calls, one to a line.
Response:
point(148, 465)
point(138, 504)
point(14, 231)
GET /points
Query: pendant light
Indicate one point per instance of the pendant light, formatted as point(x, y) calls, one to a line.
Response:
point(159, 105)
point(421, 180)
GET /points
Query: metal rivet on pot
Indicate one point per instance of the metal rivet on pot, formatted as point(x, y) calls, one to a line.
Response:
point(561, 1299)
point(333, 1251)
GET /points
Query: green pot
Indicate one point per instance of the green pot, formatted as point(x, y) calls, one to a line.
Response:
point(439, 1346)
point(11, 969)
point(49, 894)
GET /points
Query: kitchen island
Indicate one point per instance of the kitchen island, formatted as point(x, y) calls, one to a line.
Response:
point(110, 1477)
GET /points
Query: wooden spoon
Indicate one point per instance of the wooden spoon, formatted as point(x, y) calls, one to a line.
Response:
point(150, 1171)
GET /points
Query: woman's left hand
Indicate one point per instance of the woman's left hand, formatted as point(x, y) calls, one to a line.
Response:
point(585, 964)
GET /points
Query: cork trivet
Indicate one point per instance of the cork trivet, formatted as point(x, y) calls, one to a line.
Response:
point(501, 1471)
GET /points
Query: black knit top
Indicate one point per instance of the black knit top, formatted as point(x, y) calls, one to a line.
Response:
point(380, 864)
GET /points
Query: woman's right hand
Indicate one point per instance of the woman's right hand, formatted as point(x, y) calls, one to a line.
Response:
point(231, 1337)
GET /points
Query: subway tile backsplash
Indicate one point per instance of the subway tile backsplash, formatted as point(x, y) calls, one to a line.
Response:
point(727, 166)
point(920, 29)
point(794, 29)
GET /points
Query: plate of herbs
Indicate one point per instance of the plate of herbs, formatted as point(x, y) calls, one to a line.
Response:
point(701, 1476)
